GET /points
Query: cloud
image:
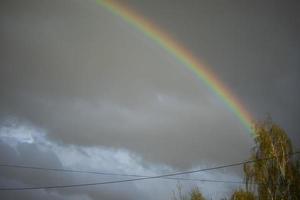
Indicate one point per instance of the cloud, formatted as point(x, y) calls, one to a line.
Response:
point(252, 46)
point(40, 194)
point(43, 152)
point(87, 80)
point(78, 85)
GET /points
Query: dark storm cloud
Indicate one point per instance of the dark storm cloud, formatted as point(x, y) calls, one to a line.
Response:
point(253, 46)
point(90, 79)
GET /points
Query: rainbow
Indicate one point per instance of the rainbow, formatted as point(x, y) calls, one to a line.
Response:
point(165, 41)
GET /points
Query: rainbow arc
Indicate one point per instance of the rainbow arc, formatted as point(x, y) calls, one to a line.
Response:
point(183, 55)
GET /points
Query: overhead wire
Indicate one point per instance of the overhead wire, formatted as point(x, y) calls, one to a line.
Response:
point(113, 174)
point(138, 178)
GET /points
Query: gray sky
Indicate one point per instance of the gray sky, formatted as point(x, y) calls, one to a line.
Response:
point(80, 88)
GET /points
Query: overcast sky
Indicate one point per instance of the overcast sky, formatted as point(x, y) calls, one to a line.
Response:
point(82, 89)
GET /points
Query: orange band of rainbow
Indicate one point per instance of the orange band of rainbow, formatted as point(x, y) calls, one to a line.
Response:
point(165, 41)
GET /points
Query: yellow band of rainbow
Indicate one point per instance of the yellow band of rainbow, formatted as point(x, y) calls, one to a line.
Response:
point(183, 55)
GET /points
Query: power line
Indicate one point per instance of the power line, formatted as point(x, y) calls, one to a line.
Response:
point(66, 170)
point(119, 174)
point(99, 183)
point(115, 174)
point(140, 178)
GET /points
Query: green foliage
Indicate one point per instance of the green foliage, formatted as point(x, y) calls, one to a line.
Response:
point(196, 194)
point(275, 174)
point(243, 195)
point(276, 177)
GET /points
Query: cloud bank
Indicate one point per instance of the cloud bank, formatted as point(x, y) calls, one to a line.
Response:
point(31, 146)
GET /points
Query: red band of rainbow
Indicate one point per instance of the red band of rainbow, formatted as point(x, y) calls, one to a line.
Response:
point(183, 55)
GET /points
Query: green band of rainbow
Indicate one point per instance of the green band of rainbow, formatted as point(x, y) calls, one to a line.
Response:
point(183, 55)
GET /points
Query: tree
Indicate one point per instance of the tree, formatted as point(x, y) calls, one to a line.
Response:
point(179, 195)
point(274, 175)
point(196, 194)
point(243, 195)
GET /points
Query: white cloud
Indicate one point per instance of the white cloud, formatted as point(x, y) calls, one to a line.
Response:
point(14, 132)
point(96, 158)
